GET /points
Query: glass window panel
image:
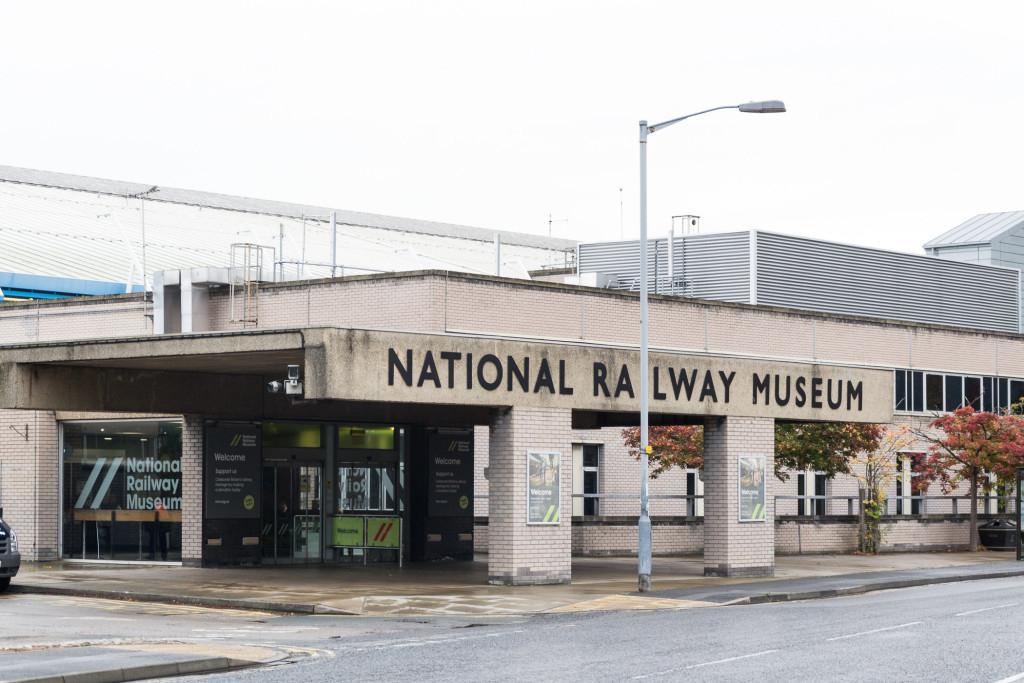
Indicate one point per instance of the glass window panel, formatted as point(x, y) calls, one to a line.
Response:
point(1016, 393)
point(933, 392)
point(389, 490)
point(375, 488)
point(918, 391)
point(590, 455)
point(972, 392)
point(352, 488)
point(1004, 394)
point(122, 490)
point(901, 391)
point(954, 392)
point(374, 438)
point(291, 435)
point(988, 392)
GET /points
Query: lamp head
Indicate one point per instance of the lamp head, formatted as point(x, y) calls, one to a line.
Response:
point(766, 107)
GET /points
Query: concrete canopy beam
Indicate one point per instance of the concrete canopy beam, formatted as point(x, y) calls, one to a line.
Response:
point(63, 387)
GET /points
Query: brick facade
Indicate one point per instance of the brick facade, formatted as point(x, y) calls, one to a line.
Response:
point(481, 305)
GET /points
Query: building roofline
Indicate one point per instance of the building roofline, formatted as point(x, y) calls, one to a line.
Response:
point(269, 207)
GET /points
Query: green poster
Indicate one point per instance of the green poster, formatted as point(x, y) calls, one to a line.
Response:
point(544, 472)
point(752, 488)
point(382, 532)
point(347, 531)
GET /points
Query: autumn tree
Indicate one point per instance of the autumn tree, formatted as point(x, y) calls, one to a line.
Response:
point(820, 446)
point(875, 470)
point(971, 443)
point(678, 446)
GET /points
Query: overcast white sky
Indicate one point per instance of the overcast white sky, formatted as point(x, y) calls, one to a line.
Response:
point(904, 117)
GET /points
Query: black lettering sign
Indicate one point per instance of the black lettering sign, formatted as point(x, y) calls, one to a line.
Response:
point(762, 386)
point(521, 376)
point(687, 381)
point(838, 403)
point(544, 378)
point(428, 372)
point(451, 357)
point(499, 373)
point(816, 392)
point(708, 389)
point(801, 395)
point(727, 382)
point(778, 398)
point(563, 388)
point(404, 371)
point(624, 383)
point(854, 391)
point(658, 395)
point(600, 379)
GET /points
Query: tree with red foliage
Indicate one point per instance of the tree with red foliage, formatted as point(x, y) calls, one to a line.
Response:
point(819, 446)
point(679, 446)
point(972, 442)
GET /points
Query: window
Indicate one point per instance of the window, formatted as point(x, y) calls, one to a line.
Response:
point(908, 484)
point(121, 489)
point(586, 478)
point(805, 487)
point(916, 391)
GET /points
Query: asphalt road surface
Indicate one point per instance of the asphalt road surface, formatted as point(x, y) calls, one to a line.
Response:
point(969, 631)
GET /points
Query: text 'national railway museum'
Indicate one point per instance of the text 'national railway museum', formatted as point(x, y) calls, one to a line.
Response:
point(419, 391)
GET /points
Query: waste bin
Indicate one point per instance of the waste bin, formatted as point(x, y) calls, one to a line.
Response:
point(998, 534)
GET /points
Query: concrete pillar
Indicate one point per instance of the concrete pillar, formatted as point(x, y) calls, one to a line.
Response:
point(192, 491)
point(520, 553)
point(732, 547)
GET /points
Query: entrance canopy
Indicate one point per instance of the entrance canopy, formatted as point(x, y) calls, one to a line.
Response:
point(226, 373)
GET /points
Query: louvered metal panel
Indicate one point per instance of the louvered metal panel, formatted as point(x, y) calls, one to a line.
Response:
point(796, 272)
point(715, 266)
point(703, 266)
point(806, 274)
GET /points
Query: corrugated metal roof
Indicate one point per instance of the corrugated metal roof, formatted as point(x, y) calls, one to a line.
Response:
point(89, 228)
point(981, 229)
point(271, 207)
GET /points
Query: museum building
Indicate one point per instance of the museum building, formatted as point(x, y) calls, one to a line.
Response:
point(464, 391)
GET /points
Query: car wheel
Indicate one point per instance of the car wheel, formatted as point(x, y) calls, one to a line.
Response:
point(4, 583)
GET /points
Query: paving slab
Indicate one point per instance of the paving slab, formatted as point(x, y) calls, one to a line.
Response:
point(460, 587)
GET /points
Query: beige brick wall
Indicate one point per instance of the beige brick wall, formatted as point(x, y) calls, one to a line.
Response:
point(192, 491)
point(30, 481)
point(79, 318)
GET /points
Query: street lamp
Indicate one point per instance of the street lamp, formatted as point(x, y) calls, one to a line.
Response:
point(644, 525)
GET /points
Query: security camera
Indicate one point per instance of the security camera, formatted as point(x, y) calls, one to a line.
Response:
point(293, 372)
point(275, 387)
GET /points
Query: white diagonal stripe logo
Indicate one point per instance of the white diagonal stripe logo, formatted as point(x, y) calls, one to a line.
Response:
point(112, 471)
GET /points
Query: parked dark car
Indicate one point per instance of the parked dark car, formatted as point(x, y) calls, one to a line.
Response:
point(10, 558)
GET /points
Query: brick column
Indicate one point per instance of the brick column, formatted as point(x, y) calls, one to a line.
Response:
point(30, 480)
point(731, 547)
point(520, 553)
point(192, 491)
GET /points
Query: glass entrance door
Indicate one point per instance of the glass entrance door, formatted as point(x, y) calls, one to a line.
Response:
point(292, 517)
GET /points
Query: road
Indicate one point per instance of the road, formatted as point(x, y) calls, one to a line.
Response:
point(952, 632)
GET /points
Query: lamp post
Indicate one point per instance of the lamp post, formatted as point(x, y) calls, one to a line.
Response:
point(644, 525)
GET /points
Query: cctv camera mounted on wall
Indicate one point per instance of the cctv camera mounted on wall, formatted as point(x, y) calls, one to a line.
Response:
point(293, 385)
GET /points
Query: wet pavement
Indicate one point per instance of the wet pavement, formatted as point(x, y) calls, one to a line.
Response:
point(460, 588)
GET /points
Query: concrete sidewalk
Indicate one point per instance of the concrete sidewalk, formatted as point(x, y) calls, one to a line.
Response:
point(459, 588)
